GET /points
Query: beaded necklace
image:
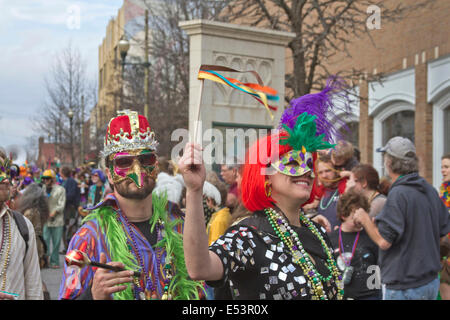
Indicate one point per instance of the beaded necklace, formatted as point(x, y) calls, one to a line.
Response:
point(301, 257)
point(157, 255)
point(6, 234)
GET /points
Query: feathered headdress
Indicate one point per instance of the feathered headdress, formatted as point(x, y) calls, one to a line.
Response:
point(312, 120)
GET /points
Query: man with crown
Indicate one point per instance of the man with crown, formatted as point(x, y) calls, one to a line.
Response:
point(131, 229)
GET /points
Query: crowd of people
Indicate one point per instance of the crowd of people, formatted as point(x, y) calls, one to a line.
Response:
point(304, 220)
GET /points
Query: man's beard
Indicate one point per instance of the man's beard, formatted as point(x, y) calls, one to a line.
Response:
point(123, 188)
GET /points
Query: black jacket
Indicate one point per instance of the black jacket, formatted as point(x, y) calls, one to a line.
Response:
point(413, 220)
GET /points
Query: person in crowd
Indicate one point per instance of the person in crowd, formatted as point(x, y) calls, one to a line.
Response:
point(33, 204)
point(327, 189)
point(36, 175)
point(277, 253)
point(164, 165)
point(97, 189)
point(20, 276)
point(364, 179)
point(72, 203)
point(409, 227)
point(25, 183)
point(131, 228)
point(53, 227)
point(385, 185)
point(215, 199)
point(229, 172)
point(83, 185)
point(356, 253)
point(444, 193)
point(343, 156)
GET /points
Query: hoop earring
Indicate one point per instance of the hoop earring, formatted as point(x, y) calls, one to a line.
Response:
point(267, 192)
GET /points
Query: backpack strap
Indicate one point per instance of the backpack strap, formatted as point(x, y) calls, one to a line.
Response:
point(22, 226)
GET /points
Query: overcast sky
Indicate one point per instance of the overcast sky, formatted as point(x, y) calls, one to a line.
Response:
point(32, 32)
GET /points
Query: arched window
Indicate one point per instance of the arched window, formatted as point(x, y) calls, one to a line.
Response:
point(394, 119)
point(399, 124)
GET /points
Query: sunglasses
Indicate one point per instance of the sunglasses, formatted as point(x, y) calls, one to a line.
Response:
point(123, 162)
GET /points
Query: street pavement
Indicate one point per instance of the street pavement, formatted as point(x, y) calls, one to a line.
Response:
point(52, 278)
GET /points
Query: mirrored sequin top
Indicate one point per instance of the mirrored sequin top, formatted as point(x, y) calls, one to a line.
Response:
point(258, 265)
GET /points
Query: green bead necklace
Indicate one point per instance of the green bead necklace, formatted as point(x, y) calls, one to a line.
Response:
point(290, 238)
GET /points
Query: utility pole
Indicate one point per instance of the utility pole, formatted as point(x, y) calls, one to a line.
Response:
point(147, 67)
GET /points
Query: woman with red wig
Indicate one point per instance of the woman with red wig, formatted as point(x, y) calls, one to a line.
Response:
point(277, 253)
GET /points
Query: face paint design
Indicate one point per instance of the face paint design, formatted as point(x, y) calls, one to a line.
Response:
point(295, 163)
point(134, 165)
point(5, 169)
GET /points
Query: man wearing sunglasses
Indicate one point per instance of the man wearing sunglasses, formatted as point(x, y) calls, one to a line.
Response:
point(131, 228)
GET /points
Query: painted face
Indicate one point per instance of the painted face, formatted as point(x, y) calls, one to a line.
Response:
point(134, 165)
point(295, 163)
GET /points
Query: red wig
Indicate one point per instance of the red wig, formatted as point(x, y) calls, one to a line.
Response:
point(258, 159)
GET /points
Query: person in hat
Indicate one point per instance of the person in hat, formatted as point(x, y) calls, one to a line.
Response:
point(20, 276)
point(97, 189)
point(409, 227)
point(130, 228)
point(53, 228)
point(277, 253)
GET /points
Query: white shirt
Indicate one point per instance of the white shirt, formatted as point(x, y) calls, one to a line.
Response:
point(23, 274)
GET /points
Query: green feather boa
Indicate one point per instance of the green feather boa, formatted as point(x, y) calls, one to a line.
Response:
point(181, 287)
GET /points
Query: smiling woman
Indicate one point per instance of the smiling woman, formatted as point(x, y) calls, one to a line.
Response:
point(276, 253)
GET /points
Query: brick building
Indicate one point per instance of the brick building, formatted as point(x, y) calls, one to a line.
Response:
point(414, 98)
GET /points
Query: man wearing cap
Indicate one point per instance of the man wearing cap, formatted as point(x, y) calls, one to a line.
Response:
point(131, 228)
point(53, 228)
point(20, 276)
point(409, 227)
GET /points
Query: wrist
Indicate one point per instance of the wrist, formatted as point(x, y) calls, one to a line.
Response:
point(194, 192)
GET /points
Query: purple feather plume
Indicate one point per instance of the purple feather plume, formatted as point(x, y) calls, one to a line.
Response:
point(326, 105)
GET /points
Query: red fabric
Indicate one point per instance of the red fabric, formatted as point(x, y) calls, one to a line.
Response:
point(123, 122)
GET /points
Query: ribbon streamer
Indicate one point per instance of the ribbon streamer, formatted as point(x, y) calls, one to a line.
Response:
point(257, 90)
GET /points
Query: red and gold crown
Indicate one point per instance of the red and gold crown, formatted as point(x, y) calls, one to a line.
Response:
point(128, 131)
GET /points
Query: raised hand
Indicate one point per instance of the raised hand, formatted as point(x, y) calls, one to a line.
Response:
point(192, 168)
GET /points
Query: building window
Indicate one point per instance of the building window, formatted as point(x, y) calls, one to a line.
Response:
point(447, 130)
point(399, 124)
point(352, 134)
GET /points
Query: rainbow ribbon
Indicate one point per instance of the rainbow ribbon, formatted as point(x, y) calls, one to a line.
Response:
point(257, 90)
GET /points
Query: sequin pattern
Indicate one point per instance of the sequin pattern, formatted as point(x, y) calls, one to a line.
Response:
point(257, 264)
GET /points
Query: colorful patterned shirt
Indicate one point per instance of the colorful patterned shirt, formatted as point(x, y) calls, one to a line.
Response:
point(90, 238)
